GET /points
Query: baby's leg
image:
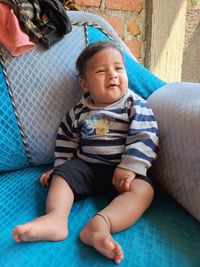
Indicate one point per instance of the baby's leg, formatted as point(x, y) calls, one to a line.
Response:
point(52, 226)
point(97, 234)
point(120, 214)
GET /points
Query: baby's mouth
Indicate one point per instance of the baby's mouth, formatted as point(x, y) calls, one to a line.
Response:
point(112, 85)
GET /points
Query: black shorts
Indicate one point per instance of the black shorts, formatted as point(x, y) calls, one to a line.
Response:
point(86, 179)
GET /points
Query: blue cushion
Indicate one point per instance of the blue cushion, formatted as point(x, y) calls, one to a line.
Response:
point(12, 152)
point(166, 235)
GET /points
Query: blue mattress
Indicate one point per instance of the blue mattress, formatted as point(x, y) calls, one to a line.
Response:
point(165, 236)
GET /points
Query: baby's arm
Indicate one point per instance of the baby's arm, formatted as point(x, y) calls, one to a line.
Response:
point(142, 139)
point(122, 179)
point(44, 178)
point(68, 138)
point(67, 142)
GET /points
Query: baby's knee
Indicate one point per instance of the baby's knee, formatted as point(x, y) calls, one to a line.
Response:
point(142, 187)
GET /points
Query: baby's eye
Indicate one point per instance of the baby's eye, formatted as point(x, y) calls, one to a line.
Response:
point(119, 68)
point(100, 70)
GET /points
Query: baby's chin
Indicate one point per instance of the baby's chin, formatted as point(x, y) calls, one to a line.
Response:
point(108, 103)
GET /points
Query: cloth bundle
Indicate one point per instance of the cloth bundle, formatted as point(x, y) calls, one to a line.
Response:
point(12, 37)
point(45, 21)
point(70, 5)
point(53, 20)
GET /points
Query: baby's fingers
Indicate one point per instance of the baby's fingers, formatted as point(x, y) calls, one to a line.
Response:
point(44, 179)
point(127, 184)
point(124, 185)
point(120, 186)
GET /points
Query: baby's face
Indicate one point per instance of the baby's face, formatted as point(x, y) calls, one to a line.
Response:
point(105, 77)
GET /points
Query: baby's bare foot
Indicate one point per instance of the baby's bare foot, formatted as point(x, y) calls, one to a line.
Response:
point(96, 234)
point(47, 227)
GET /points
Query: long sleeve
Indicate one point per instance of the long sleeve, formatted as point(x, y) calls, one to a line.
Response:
point(142, 139)
point(68, 139)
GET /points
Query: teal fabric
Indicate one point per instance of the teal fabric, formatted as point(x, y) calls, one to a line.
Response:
point(141, 81)
point(12, 152)
point(166, 235)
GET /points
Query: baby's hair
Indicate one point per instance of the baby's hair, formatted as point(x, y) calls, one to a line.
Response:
point(91, 50)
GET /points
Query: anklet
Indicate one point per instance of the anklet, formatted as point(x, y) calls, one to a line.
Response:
point(105, 218)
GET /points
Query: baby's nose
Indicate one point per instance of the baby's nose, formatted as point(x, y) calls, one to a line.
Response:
point(112, 74)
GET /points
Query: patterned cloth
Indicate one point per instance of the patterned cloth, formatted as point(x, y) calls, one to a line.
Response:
point(45, 21)
point(11, 36)
point(70, 5)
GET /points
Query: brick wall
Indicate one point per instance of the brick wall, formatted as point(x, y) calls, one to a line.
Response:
point(127, 17)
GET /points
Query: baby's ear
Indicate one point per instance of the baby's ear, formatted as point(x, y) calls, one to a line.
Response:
point(83, 85)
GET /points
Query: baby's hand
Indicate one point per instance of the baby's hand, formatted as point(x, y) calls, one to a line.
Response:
point(44, 178)
point(122, 179)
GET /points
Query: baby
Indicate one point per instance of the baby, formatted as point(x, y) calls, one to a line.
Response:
point(105, 143)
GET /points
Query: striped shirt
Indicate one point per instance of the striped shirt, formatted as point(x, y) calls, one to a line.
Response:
point(124, 134)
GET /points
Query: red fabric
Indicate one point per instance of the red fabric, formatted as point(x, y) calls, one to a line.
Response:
point(11, 35)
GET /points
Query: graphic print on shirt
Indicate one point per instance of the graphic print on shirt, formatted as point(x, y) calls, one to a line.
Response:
point(97, 124)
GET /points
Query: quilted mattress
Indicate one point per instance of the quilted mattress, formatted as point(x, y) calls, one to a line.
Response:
point(165, 236)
